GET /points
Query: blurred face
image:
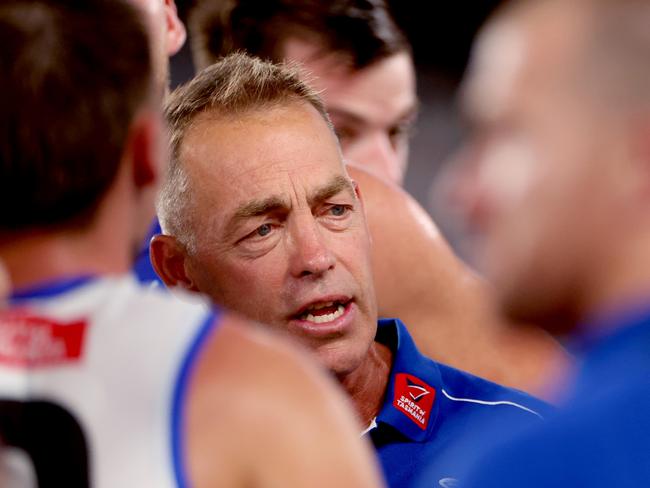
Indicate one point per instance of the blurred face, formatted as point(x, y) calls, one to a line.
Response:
point(282, 235)
point(372, 109)
point(541, 188)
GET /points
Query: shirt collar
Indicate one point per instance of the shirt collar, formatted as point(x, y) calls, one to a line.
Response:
point(411, 402)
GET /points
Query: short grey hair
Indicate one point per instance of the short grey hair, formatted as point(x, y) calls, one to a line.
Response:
point(235, 85)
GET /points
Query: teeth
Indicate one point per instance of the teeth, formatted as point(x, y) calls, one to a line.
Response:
point(322, 319)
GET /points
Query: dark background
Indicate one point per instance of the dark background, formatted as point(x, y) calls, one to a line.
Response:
point(441, 34)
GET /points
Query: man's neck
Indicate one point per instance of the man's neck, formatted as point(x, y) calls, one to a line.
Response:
point(367, 384)
point(102, 246)
point(46, 256)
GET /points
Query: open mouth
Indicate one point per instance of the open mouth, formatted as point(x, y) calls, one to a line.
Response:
point(323, 312)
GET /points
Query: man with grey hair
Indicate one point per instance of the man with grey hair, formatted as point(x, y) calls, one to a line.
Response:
point(559, 94)
point(270, 224)
point(361, 65)
point(445, 304)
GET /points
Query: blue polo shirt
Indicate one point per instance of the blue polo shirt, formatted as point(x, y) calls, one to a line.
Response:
point(601, 437)
point(425, 429)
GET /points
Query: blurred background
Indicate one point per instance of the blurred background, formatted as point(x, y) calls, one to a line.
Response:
point(441, 34)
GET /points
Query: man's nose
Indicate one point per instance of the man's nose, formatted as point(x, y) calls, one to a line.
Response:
point(381, 155)
point(310, 253)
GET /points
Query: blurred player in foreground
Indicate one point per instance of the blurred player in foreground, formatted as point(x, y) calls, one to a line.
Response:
point(361, 63)
point(261, 215)
point(559, 178)
point(104, 383)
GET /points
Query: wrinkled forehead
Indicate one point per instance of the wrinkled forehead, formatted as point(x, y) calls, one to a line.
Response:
point(260, 151)
point(523, 51)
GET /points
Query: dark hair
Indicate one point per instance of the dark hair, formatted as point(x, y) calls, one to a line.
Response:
point(361, 30)
point(73, 74)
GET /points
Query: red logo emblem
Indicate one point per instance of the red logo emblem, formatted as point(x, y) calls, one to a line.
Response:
point(28, 340)
point(414, 398)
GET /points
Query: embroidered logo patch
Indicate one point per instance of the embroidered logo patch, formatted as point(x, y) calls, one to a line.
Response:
point(414, 398)
point(27, 340)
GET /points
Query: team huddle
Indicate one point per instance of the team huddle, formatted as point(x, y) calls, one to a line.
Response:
point(295, 318)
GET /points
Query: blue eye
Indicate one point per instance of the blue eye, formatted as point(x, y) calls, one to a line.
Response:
point(338, 210)
point(263, 230)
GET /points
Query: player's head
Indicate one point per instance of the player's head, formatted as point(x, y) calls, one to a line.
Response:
point(77, 109)
point(260, 212)
point(559, 94)
point(166, 32)
point(361, 62)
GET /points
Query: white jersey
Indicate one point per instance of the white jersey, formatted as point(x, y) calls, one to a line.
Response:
point(92, 382)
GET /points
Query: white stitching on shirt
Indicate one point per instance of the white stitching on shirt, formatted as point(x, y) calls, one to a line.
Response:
point(483, 402)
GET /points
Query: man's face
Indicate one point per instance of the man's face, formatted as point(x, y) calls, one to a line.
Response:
point(281, 231)
point(372, 109)
point(543, 191)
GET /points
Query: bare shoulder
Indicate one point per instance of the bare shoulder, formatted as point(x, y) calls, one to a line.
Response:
point(408, 251)
point(260, 413)
point(381, 194)
point(393, 213)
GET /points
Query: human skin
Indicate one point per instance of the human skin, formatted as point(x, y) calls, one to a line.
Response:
point(373, 108)
point(447, 307)
point(229, 443)
point(285, 242)
point(418, 278)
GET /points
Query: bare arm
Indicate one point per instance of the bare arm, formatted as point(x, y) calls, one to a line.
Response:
point(262, 415)
point(445, 305)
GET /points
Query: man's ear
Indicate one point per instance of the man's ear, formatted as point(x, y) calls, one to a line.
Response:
point(145, 150)
point(168, 259)
point(176, 33)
